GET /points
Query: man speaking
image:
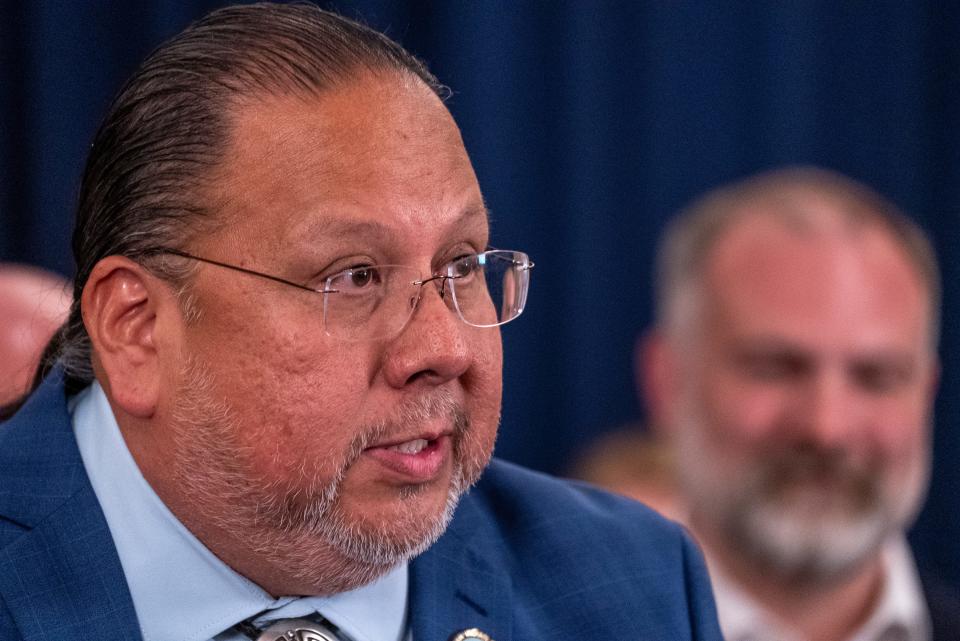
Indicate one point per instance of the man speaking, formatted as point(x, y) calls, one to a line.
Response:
point(281, 373)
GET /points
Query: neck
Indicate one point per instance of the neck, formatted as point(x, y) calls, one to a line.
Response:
point(826, 610)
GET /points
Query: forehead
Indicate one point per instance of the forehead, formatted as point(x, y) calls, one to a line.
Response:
point(846, 286)
point(378, 152)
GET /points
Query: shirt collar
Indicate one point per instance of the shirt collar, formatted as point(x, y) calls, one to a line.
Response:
point(181, 591)
point(742, 618)
point(900, 604)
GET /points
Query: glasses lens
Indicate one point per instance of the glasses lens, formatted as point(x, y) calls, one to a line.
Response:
point(369, 302)
point(490, 288)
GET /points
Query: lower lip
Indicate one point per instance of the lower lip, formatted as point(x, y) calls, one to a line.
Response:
point(421, 467)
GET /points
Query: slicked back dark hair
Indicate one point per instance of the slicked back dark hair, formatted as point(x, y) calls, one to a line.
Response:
point(169, 126)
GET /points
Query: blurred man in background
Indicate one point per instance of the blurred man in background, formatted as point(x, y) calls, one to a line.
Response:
point(793, 370)
point(33, 303)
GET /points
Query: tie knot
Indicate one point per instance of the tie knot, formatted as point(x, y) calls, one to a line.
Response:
point(294, 630)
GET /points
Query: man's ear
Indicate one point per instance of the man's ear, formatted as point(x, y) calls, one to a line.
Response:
point(121, 302)
point(657, 374)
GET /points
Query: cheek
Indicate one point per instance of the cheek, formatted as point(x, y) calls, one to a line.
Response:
point(293, 393)
point(903, 464)
point(483, 384)
point(740, 411)
point(901, 433)
point(726, 425)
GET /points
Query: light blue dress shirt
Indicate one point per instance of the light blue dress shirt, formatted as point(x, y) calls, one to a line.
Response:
point(180, 589)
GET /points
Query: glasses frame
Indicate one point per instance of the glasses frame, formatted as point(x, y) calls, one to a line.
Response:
point(526, 266)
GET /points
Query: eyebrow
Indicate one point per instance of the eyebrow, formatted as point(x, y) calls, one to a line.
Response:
point(333, 226)
point(780, 346)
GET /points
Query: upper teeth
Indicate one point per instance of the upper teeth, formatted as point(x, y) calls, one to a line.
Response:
point(411, 447)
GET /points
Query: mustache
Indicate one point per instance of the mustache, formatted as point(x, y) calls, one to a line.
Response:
point(439, 403)
point(807, 463)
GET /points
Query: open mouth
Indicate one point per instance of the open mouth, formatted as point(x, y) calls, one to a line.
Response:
point(413, 447)
point(415, 461)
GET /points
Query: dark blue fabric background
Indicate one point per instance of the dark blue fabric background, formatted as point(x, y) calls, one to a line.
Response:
point(589, 123)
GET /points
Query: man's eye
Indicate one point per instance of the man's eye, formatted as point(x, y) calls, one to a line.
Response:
point(358, 278)
point(772, 368)
point(361, 277)
point(879, 379)
point(767, 370)
point(464, 266)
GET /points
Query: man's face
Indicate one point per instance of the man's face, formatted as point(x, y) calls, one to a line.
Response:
point(329, 454)
point(803, 427)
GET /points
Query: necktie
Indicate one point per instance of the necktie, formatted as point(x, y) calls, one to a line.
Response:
point(294, 630)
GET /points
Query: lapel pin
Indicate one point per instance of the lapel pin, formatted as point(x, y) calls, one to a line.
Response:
point(471, 634)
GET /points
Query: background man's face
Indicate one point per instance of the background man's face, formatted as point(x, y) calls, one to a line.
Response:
point(33, 304)
point(803, 435)
point(306, 426)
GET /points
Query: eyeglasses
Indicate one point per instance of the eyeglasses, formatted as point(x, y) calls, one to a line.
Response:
point(371, 302)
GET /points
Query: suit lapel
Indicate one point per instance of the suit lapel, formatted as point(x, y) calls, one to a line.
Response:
point(458, 584)
point(60, 578)
point(63, 580)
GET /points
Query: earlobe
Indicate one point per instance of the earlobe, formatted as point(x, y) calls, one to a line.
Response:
point(120, 305)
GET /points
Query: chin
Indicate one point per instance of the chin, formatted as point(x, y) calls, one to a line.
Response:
point(806, 548)
point(410, 509)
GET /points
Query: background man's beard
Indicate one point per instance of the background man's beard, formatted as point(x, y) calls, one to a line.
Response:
point(782, 518)
point(800, 529)
point(301, 527)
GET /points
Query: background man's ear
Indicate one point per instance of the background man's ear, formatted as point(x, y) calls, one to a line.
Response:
point(656, 370)
point(121, 302)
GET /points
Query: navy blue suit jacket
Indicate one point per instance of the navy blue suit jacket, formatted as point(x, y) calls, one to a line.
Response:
point(525, 558)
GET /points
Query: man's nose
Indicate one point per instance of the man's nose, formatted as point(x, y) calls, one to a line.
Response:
point(831, 410)
point(433, 347)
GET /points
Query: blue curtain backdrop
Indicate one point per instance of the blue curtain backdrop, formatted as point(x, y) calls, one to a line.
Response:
point(589, 123)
